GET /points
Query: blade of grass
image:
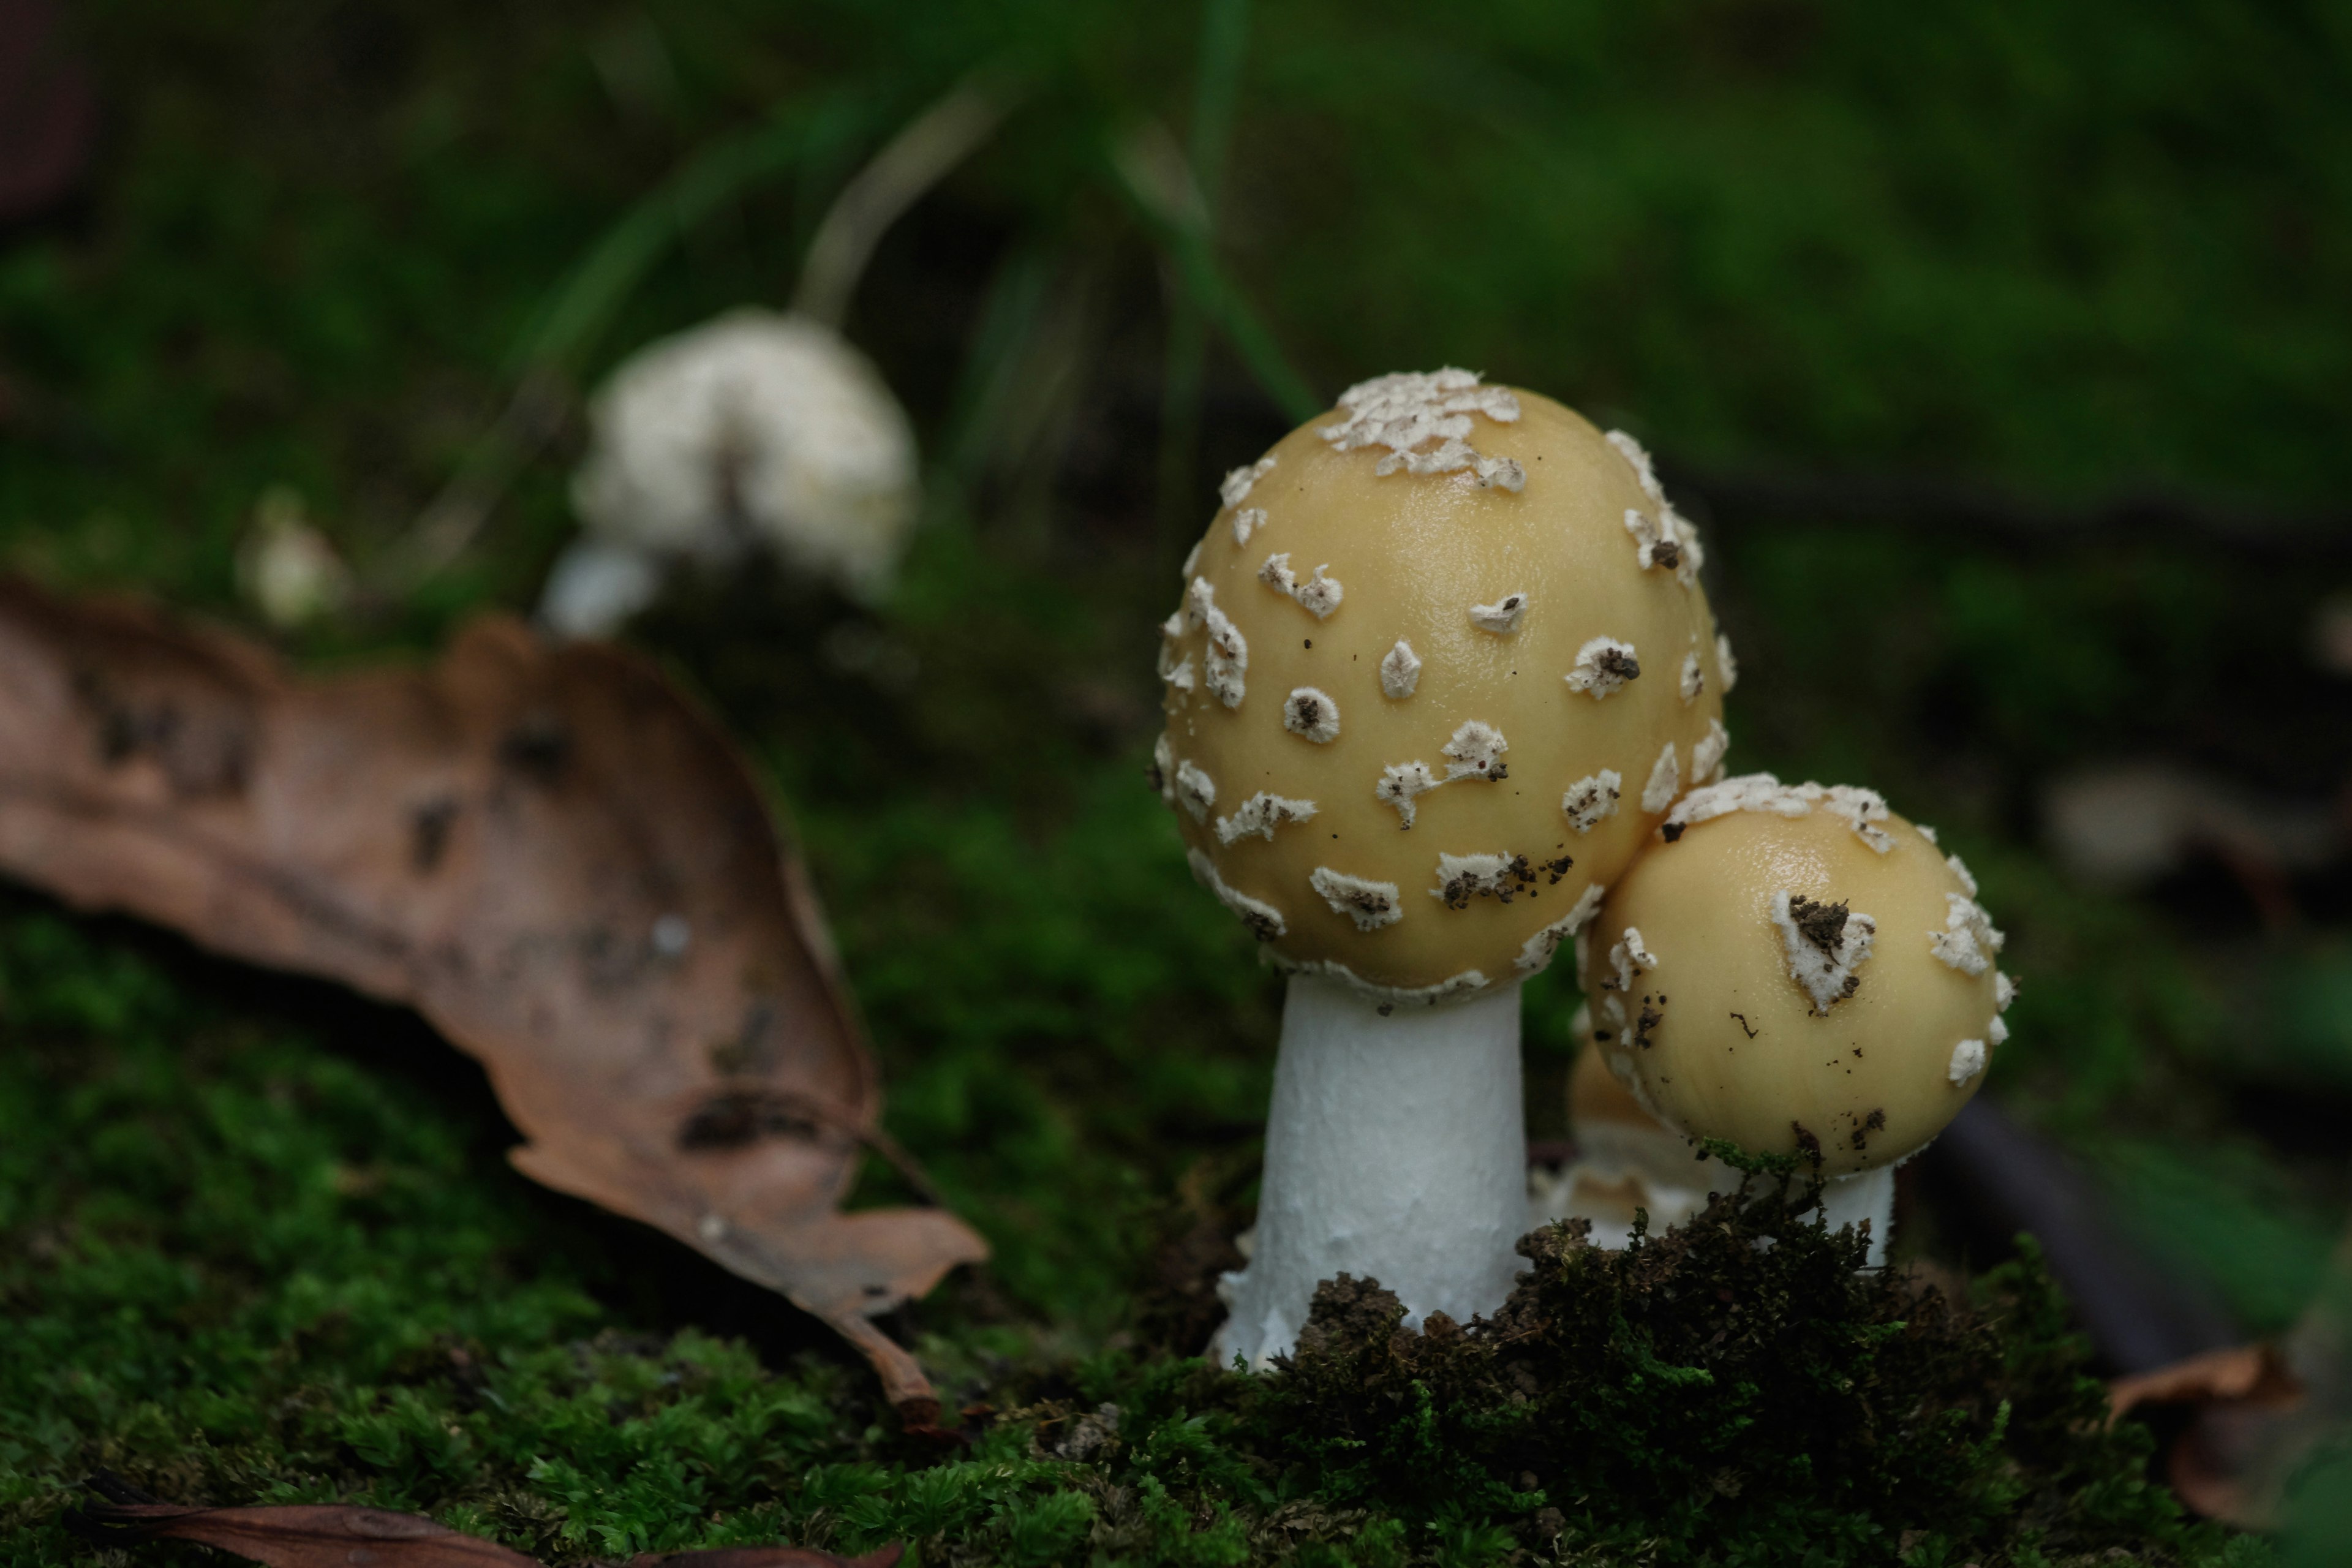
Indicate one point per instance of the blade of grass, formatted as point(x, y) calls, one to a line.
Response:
point(1224, 38)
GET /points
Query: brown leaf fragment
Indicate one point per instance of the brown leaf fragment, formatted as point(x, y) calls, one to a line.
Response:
point(547, 851)
point(2247, 1424)
point(334, 1536)
point(314, 1536)
point(2235, 1375)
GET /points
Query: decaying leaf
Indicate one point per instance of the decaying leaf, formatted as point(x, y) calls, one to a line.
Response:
point(333, 1536)
point(547, 852)
point(2248, 1423)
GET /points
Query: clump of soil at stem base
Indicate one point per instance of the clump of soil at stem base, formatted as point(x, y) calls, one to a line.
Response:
point(1703, 1398)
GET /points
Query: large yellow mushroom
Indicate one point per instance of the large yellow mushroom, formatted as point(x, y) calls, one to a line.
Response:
point(1441, 665)
point(1798, 971)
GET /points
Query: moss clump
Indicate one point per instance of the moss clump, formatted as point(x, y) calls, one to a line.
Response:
point(1737, 1390)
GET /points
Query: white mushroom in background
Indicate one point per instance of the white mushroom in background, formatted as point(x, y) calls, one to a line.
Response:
point(1798, 971)
point(753, 431)
point(1448, 827)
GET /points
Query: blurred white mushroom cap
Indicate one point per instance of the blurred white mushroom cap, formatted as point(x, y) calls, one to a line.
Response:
point(753, 428)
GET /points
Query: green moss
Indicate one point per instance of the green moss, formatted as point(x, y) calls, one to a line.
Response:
point(245, 1264)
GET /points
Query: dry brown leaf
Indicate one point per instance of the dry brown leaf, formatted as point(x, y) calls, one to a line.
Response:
point(2244, 1399)
point(2233, 1374)
point(549, 854)
point(333, 1536)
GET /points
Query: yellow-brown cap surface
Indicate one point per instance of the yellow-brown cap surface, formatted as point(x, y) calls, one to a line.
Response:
point(1413, 714)
point(1797, 970)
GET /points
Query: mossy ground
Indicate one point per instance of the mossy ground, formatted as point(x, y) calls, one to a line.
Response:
point(247, 1265)
point(258, 1240)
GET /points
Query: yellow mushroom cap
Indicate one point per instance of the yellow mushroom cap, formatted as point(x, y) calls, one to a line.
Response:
point(1432, 654)
point(1596, 1099)
point(1796, 969)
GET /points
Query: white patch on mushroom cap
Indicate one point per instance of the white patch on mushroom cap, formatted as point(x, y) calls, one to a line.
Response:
point(1400, 782)
point(1861, 809)
point(1706, 752)
point(1503, 616)
point(1400, 670)
point(1928, 834)
point(1409, 411)
point(1997, 1032)
point(1967, 941)
point(1645, 473)
point(1602, 665)
point(2004, 991)
point(1247, 521)
point(1369, 904)
point(1163, 770)
point(1265, 921)
point(1537, 952)
point(1665, 778)
point(1689, 556)
point(1826, 971)
point(1261, 813)
point(1235, 487)
point(1961, 871)
point(1319, 596)
point(1308, 711)
point(1182, 677)
point(1196, 790)
point(1477, 750)
point(1629, 960)
point(1172, 632)
point(1665, 542)
point(1589, 800)
point(1727, 669)
point(1228, 654)
point(1693, 679)
point(1967, 1060)
point(1460, 878)
point(1452, 988)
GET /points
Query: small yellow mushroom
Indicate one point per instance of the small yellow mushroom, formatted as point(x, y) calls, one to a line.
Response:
point(1798, 971)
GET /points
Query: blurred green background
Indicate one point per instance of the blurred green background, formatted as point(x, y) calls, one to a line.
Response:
point(2001, 348)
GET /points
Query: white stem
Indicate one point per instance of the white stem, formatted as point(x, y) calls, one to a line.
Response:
point(1395, 1148)
point(1864, 1195)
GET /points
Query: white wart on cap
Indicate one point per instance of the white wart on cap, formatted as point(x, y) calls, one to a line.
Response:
point(1425, 623)
point(1797, 969)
